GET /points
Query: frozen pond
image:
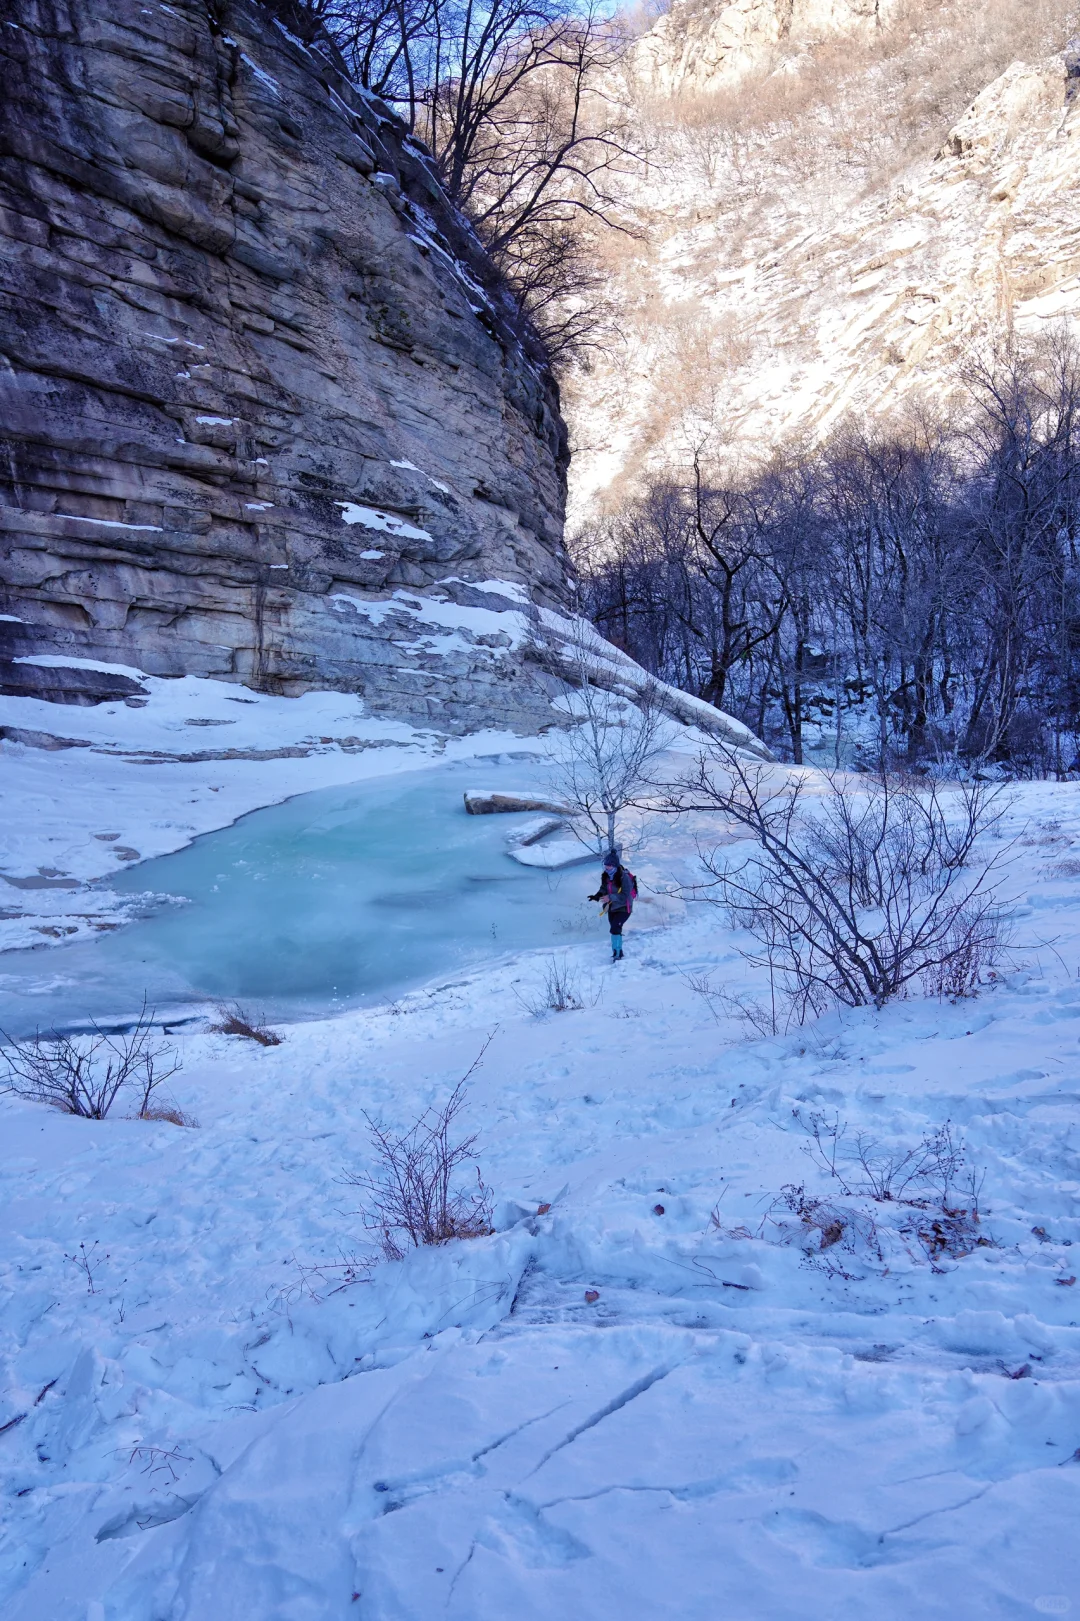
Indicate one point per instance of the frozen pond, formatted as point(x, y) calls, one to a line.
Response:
point(334, 898)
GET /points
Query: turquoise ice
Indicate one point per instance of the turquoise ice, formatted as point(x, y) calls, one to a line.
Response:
point(333, 898)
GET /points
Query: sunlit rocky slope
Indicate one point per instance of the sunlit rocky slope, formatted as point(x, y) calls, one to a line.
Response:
point(810, 246)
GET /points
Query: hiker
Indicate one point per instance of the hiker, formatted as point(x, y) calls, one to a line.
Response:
point(618, 892)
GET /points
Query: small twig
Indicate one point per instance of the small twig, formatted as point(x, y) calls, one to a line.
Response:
point(87, 1264)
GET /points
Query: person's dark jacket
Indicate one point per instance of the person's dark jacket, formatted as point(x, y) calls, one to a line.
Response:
point(616, 888)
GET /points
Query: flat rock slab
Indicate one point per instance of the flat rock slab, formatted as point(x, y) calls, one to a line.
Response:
point(65, 684)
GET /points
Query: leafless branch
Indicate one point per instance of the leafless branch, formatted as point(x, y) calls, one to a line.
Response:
point(852, 895)
point(85, 1075)
point(413, 1196)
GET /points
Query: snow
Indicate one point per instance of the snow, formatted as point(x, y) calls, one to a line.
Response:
point(114, 523)
point(617, 1408)
point(376, 611)
point(450, 616)
point(63, 661)
point(554, 854)
point(261, 74)
point(411, 466)
point(388, 521)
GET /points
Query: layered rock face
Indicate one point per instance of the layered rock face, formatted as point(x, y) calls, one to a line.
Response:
point(256, 377)
point(705, 48)
point(757, 314)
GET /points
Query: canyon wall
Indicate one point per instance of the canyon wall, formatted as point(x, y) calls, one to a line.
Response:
point(794, 269)
point(265, 413)
point(705, 47)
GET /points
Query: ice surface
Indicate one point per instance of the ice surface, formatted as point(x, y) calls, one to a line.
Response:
point(332, 898)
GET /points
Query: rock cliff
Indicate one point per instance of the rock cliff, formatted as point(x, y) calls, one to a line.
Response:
point(781, 284)
point(257, 379)
point(704, 47)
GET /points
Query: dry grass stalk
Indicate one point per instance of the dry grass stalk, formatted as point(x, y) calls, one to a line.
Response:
point(170, 1113)
point(560, 992)
point(233, 1020)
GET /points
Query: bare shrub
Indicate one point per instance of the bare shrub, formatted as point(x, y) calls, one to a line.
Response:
point(970, 960)
point(413, 1196)
point(845, 1232)
point(825, 1225)
point(85, 1075)
point(851, 896)
point(233, 1020)
point(1065, 869)
point(316, 1281)
point(756, 1017)
point(87, 1261)
point(947, 1232)
point(861, 1165)
point(920, 1200)
point(559, 992)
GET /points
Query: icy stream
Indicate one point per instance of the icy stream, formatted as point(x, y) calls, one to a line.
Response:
point(334, 898)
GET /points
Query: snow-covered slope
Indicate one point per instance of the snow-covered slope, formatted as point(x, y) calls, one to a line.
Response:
point(617, 1406)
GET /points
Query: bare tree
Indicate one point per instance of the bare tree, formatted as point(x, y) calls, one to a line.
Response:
point(513, 100)
point(851, 897)
point(603, 762)
point(919, 589)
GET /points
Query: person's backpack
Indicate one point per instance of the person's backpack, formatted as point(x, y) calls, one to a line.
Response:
point(631, 894)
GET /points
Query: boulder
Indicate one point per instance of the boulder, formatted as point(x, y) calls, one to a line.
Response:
point(491, 803)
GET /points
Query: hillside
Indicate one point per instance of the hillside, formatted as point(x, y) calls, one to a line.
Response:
point(832, 218)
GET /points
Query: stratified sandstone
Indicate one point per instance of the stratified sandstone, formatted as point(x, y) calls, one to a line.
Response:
point(255, 375)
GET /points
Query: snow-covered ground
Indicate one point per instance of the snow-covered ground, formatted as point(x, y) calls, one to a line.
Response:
point(620, 1406)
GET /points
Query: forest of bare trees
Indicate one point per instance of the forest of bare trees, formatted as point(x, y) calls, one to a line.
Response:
point(910, 597)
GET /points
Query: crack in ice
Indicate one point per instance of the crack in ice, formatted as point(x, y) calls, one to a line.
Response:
point(614, 1406)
